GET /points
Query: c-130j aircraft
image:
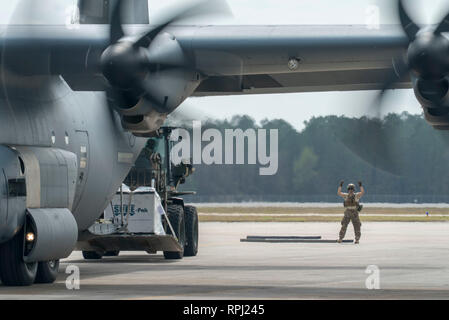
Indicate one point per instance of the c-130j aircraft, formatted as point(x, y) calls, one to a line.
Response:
point(78, 104)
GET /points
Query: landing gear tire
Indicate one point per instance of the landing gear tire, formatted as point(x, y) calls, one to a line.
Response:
point(176, 216)
point(13, 270)
point(91, 255)
point(47, 271)
point(191, 215)
point(112, 253)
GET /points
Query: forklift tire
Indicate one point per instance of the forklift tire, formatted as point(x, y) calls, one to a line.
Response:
point(114, 253)
point(47, 271)
point(91, 255)
point(13, 270)
point(176, 216)
point(191, 215)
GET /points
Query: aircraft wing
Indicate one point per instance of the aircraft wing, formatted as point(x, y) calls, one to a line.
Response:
point(254, 59)
point(231, 59)
point(348, 80)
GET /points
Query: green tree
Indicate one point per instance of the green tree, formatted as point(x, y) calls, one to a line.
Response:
point(332, 148)
point(305, 170)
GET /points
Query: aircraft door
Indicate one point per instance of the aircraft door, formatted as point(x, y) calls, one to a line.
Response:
point(82, 151)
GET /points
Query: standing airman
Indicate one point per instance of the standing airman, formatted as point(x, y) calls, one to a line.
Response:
point(352, 205)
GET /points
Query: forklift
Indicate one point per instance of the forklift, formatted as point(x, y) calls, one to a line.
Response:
point(148, 212)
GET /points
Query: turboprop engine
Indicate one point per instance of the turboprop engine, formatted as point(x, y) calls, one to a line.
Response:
point(37, 189)
point(148, 77)
point(426, 61)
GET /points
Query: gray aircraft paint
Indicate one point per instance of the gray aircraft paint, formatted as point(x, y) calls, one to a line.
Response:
point(220, 52)
point(29, 116)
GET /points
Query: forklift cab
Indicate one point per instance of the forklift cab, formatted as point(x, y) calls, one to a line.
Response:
point(154, 167)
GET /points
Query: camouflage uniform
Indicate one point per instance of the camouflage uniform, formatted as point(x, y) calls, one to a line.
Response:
point(351, 214)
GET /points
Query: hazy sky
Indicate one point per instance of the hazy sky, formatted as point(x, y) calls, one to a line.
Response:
point(295, 108)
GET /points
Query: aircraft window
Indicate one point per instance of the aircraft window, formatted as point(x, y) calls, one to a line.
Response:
point(22, 166)
point(17, 188)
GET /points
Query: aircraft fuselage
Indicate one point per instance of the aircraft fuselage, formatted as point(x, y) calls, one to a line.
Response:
point(46, 113)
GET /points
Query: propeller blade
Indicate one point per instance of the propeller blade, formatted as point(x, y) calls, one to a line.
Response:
point(443, 26)
point(185, 115)
point(116, 31)
point(145, 40)
point(160, 86)
point(159, 102)
point(369, 140)
point(121, 98)
point(398, 74)
point(410, 28)
point(197, 8)
point(165, 53)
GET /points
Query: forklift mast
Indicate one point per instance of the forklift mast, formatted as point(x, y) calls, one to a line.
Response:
point(154, 167)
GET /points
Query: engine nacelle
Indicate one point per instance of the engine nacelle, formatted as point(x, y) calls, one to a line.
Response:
point(12, 193)
point(55, 234)
point(434, 98)
point(42, 182)
point(437, 117)
point(142, 124)
point(169, 88)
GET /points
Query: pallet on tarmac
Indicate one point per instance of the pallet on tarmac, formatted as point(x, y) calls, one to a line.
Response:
point(290, 240)
point(285, 237)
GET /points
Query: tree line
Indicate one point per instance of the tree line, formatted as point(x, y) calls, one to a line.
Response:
point(398, 155)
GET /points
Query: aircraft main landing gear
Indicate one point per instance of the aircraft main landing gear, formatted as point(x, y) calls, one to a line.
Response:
point(13, 270)
point(47, 271)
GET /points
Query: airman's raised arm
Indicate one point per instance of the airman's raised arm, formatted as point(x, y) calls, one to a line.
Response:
point(341, 194)
point(362, 190)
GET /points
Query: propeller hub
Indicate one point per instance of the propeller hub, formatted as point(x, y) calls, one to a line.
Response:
point(428, 55)
point(150, 68)
point(121, 64)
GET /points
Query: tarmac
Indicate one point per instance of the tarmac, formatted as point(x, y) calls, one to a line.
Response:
point(405, 260)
